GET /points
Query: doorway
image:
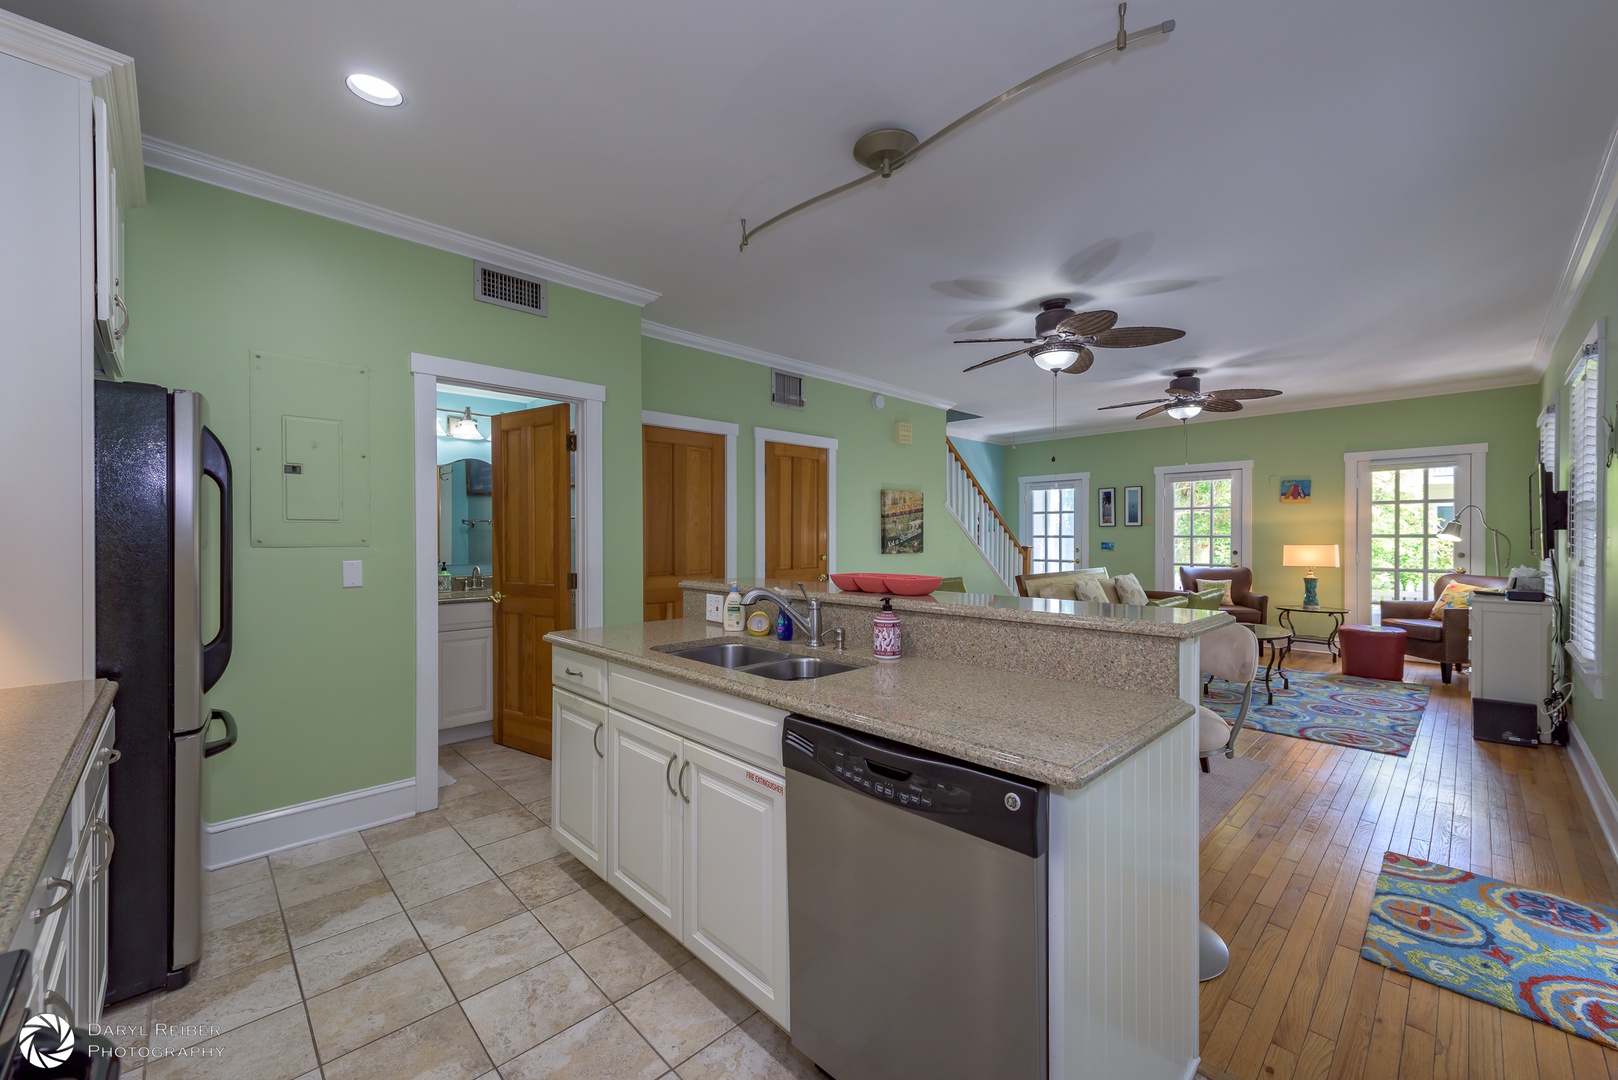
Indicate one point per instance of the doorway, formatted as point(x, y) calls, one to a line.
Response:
point(1204, 517)
point(796, 505)
point(552, 497)
point(1055, 520)
point(688, 480)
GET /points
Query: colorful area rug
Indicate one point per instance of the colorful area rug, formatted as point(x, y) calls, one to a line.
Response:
point(1367, 714)
point(1544, 956)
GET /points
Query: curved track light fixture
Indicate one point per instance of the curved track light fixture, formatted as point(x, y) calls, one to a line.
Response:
point(887, 149)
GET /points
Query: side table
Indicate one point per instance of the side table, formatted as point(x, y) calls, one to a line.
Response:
point(1279, 639)
point(1330, 640)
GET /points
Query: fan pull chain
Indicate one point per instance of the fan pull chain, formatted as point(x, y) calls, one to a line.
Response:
point(1055, 378)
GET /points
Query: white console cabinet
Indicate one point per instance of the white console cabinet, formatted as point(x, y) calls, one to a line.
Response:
point(1511, 649)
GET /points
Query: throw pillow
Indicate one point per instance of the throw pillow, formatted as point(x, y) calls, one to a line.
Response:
point(1090, 591)
point(1456, 595)
point(1129, 589)
point(1208, 599)
point(1061, 591)
point(1209, 583)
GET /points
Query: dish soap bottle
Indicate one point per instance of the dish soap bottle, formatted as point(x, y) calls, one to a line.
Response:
point(443, 577)
point(733, 611)
point(885, 632)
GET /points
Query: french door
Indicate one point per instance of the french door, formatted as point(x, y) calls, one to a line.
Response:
point(1202, 518)
point(1401, 503)
point(1056, 521)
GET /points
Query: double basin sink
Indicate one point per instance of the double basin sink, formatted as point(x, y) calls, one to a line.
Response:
point(765, 663)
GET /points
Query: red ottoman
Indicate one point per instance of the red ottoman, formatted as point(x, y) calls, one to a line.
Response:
point(1373, 652)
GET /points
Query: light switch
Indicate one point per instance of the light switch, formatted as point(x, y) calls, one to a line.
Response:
point(716, 608)
point(353, 573)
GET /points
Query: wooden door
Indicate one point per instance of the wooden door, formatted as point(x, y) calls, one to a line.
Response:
point(645, 821)
point(579, 779)
point(795, 512)
point(684, 484)
point(533, 558)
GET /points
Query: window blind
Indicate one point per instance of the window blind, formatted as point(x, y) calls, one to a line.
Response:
point(1547, 438)
point(1584, 522)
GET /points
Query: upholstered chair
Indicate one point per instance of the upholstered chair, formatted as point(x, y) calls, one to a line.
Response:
point(1249, 606)
point(1445, 640)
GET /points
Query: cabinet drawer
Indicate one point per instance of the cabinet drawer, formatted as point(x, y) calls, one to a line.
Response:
point(743, 728)
point(469, 615)
point(579, 673)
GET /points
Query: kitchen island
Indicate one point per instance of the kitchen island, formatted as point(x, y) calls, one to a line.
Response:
point(657, 754)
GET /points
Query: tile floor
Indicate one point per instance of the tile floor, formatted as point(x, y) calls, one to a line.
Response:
point(456, 944)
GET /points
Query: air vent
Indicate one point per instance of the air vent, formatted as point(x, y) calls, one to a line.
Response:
point(799, 743)
point(786, 390)
point(493, 285)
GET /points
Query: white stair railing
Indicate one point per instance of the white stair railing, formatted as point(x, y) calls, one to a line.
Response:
point(972, 509)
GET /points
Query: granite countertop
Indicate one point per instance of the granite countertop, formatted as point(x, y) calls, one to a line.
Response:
point(1060, 733)
point(46, 733)
point(1115, 618)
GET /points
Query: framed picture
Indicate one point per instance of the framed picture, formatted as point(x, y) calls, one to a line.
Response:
point(1107, 515)
point(901, 522)
point(1294, 491)
point(1132, 506)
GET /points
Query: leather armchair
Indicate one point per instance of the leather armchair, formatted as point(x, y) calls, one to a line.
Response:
point(1447, 640)
point(1249, 606)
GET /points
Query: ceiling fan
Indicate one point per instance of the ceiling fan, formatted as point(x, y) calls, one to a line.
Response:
point(1063, 337)
point(1187, 398)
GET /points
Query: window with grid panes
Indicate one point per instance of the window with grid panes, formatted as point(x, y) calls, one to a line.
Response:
point(1204, 522)
point(1408, 506)
point(1053, 529)
point(1584, 514)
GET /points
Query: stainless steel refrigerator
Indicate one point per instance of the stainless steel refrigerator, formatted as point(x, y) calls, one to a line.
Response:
point(152, 453)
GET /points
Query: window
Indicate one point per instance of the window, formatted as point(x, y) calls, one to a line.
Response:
point(1584, 539)
point(1202, 518)
point(1408, 506)
point(1055, 516)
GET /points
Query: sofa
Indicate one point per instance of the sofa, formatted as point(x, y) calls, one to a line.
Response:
point(1249, 606)
point(1050, 586)
point(1446, 641)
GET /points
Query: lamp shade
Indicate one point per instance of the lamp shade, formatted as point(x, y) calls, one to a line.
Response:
point(1450, 532)
point(1309, 555)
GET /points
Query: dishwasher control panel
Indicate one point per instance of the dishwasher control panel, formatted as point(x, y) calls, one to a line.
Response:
point(996, 806)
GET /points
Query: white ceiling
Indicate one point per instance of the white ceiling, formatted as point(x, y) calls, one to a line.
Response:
point(1333, 199)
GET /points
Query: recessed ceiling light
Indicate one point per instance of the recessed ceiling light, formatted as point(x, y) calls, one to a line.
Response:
point(376, 91)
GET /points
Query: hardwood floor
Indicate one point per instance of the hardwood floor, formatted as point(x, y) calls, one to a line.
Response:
point(1287, 880)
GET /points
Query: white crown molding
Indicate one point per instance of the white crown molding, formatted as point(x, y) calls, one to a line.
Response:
point(1372, 397)
point(1600, 216)
point(183, 161)
point(797, 367)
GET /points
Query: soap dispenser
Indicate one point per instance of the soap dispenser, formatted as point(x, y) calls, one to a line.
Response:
point(733, 610)
point(885, 632)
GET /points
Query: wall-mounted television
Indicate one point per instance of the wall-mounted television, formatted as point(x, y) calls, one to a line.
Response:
point(1548, 509)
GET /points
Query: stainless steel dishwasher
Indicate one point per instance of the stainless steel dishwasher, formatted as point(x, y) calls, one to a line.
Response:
point(916, 908)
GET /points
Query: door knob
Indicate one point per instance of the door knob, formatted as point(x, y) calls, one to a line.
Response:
point(495, 597)
point(823, 558)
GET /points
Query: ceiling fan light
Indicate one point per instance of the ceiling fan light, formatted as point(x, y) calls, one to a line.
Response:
point(1184, 412)
point(1056, 356)
point(466, 428)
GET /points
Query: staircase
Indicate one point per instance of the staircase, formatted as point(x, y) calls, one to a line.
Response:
point(975, 513)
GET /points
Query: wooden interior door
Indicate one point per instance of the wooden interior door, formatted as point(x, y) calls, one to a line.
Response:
point(533, 561)
point(683, 478)
point(795, 512)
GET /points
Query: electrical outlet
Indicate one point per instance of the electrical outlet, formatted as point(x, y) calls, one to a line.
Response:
point(716, 608)
point(353, 573)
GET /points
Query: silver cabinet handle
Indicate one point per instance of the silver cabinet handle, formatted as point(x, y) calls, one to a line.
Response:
point(683, 769)
point(106, 834)
point(123, 327)
point(59, 1003)
point(666, 780)
point(108, 755)
point(595, 741)
point(54, 883)
point(574, 671)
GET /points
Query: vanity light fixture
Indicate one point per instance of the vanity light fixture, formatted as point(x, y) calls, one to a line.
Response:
point(466, 427)
point(375, 90)
point(438, 422)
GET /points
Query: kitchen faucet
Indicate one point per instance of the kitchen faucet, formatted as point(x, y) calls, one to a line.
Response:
point(809, 624)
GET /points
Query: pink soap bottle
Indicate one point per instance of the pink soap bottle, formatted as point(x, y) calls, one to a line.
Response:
point(885, 632)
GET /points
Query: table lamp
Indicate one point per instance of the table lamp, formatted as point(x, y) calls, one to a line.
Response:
point(1310, 555)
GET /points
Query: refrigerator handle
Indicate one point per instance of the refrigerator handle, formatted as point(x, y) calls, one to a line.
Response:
point(219, 746)
point(216, 653)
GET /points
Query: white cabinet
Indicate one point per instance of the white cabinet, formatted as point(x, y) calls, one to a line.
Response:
point(579, 777)
point(644, 822)
point(1511, 649)
point(465, 664)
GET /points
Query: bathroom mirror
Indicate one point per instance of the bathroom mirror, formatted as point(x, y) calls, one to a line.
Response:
point(465, 498)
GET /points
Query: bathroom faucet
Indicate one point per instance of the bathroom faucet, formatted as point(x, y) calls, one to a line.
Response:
point(809, 624)
point(477, 577)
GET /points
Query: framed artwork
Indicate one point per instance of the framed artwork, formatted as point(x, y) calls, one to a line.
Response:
point(1107, 515)
point(901, 522)
point(1132, 506)
point(1294, 491)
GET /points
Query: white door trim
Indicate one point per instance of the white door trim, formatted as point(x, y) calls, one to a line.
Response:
point(1243, 471)
point(1081, 503)
point(426, 371)
point(769, 435)
point(711, 427)
point(1356, 586)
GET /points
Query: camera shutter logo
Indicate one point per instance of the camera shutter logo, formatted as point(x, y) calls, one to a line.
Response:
point(46, 1041)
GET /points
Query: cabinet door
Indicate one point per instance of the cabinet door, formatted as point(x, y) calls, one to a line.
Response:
point(465, 677)
point(579, 778)
point(736, 874)
point(643, 817)
point(93, 963)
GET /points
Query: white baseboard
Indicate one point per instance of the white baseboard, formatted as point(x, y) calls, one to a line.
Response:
point(239, 839)
point(1191, 1070)
point(1595, 787)
point(485, 730)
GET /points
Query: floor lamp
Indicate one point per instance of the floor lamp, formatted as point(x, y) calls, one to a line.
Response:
point(1451, 533)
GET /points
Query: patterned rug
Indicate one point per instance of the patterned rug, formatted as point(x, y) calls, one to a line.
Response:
point(1367, 714)
point(1544, 956)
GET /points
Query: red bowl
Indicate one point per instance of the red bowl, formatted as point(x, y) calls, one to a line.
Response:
point(871, 582)
point(846, 582)
point(911, 584)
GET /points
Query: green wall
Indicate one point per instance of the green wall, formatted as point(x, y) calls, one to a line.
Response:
point(692, 382)
point(1295, 445)
point(322, 681)
point(1595, 718)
